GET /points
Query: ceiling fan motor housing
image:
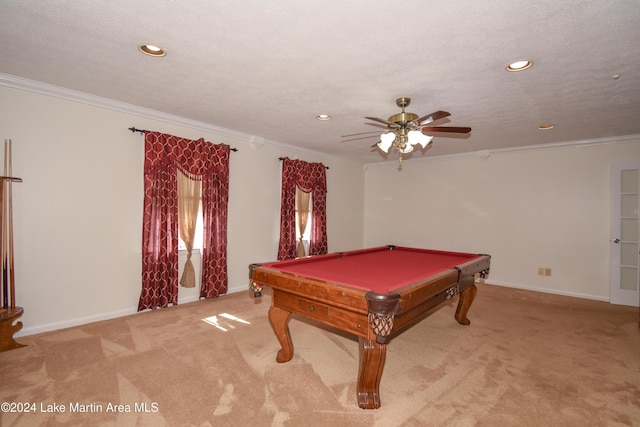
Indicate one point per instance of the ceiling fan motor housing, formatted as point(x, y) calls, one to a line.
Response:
point(403, 118)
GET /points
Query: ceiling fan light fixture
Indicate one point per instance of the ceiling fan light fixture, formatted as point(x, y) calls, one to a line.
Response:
point(151, 50)
point(417, 137)
point(407, 149)
point(519, 65)
point(386, 140)
point(383, 147)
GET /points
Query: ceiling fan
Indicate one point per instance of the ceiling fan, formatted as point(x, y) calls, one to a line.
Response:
point(405, 130)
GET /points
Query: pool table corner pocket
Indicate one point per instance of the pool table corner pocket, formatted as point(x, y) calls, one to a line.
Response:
point(382, 310)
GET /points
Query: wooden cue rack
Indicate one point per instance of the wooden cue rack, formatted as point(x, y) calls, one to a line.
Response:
point(9, 311)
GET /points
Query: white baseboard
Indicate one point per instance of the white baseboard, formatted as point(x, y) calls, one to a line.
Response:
point(74, 322)
point(133, 310)
point(103, 316)
point(545, 290)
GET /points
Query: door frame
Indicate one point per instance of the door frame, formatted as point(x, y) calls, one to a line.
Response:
point(618, 295)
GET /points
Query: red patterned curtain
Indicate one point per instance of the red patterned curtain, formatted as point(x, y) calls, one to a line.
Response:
point(310, 177)
point(198, 160)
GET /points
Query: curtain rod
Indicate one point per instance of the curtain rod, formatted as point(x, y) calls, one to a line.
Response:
point(282, 158)
point(134, 129)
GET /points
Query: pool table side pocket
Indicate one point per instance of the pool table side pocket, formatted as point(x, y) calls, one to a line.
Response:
point(417, 300)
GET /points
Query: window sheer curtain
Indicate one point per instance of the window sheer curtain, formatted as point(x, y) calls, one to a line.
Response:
point(188, 206)
point(201, 161)
point(310, 178)
point(302, 210)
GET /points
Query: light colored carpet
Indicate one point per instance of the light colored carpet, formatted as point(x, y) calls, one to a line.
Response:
point(527, 359)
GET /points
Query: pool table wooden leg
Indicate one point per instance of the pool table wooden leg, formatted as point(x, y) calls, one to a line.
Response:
point(466, 298)
point(279, 320)
point(372, 358)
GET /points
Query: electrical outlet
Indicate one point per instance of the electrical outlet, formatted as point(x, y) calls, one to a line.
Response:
point(547, 272)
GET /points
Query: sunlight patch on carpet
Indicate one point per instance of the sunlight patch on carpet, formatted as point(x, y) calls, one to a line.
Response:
point(214, 321)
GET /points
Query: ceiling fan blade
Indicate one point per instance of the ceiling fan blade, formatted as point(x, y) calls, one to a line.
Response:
point(361, 133)
point(362, 137)
point(432, 117)
point(381, 126)
point(382, 121)
point(451, 129)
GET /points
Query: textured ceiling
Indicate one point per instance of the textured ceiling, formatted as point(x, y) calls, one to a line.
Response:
point(268, 68)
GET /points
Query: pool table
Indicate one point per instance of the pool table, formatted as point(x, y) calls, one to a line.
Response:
point(372, 293)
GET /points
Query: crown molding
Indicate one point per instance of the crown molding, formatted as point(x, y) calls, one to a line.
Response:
point(255, 141)
point(97, 101)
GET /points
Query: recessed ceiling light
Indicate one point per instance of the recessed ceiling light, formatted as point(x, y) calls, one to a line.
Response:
point(546, 126)
point(323, 117)
point(151, 50)
point(519, 65)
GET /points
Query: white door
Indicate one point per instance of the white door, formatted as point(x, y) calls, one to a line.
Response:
point(625, 250)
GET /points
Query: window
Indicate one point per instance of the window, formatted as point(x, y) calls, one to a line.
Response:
point(164, 154)
point(304, 217)
point(197, 239)
point(297, 174)
point(189, 195)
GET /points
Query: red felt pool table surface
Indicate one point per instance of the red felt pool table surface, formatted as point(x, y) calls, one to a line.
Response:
point(380, 269)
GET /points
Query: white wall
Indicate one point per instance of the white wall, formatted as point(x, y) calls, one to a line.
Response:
point(78, 211)
point(527, 209)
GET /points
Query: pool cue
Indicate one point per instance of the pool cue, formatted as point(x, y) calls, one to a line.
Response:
point(5, 284)
point(12, 278)
point(5, 288)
